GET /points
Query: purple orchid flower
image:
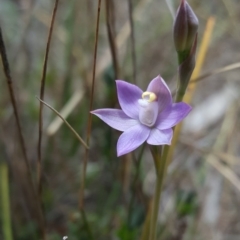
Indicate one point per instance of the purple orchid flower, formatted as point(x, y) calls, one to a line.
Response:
point(145, 116)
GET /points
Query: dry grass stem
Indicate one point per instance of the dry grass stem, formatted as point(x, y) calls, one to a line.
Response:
point(221, 141)
point(221, 160)
point(39, 162)
point(228, 173)
point(42, 88)
point(89, 126)
point(225, 157)
point(216, 71)
point(68, 108)
point(69, 126)
point(6, 69)
point(7, 73)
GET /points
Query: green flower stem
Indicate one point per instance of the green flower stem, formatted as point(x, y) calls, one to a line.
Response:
point(146, 226)
point(179, 96)
point(156, 153)
point(182, 56)
point(138, 161)
point(5, 208)
point(161, 163)
point(161, 167)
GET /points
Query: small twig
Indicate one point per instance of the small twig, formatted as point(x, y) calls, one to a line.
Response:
point(133, 51)
point(39, 163)
point(111, 39)
point(65, 111)
point(89, 127)
point(65, 121)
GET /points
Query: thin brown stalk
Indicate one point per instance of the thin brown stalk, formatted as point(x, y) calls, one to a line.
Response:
point(132, 37)
point(89, 127)
point(43, 79)
point(66, 122)
point(7, 73)
point(111, 38)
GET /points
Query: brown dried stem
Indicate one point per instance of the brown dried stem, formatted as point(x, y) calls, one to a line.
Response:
point(89, 127)
point(7, 73)
point(43, 80)
point(66, 122)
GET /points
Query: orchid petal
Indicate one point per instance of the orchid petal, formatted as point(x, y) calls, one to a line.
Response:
point(160, 88)
point(115, 118)
point(128, 95)
point(132, 139)
point(172, 115)
point(160, 137)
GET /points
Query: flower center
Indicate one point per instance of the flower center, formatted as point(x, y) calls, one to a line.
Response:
point(148, 109)
point(149, 96)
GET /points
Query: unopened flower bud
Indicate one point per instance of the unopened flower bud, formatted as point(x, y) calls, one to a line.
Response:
point(185, 27)
point(186, 69)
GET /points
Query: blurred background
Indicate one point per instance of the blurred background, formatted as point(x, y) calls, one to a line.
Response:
point(201, 196)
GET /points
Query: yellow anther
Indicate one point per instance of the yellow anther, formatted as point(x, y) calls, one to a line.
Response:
point(149, 96)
